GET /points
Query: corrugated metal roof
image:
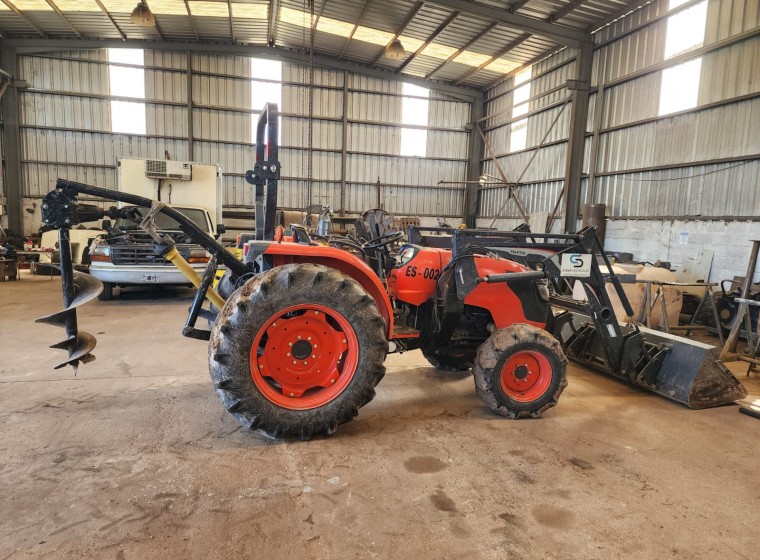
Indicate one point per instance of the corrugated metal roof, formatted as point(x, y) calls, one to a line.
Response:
point(378, 21)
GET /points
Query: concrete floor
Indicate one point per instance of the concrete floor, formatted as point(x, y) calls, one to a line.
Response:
point(134, 458)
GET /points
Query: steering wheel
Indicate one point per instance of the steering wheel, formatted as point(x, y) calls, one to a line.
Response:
point(383, 240)
point(350, 246)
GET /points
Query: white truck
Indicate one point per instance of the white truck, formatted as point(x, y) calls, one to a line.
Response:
point(125, 257)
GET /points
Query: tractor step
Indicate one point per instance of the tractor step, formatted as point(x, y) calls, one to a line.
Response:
point(402, 331)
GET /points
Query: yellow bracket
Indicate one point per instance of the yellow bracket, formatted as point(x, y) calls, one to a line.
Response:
point(176, 259)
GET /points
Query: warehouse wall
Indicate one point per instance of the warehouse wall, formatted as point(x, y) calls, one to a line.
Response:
point(650, 171)
point(65, 132)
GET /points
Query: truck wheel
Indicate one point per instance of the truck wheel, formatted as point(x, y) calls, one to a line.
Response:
point(449, 361)
point(297, 350)
point(520, 371)
point(107, 293)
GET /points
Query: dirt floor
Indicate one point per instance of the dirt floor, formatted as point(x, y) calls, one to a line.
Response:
point(135, 458)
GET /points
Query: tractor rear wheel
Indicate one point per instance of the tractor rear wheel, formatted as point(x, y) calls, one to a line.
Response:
point(297, 350)
point(448, 360)
point(520, 371)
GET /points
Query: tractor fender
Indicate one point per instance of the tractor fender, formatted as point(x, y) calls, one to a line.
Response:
point(508, 304)
point(348, 264)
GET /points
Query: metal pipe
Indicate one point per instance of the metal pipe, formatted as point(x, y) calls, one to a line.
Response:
point(184, 267)
point(344, 147)
point(67, 281)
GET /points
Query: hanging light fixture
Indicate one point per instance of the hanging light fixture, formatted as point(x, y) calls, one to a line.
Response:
point(395, 51)
point(142, 16)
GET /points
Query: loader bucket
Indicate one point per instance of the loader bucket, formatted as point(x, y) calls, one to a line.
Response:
point(674, 367)
point(692, 374)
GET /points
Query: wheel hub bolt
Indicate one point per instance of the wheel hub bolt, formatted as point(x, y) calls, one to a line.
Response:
point(332, 381)
point(294, 362)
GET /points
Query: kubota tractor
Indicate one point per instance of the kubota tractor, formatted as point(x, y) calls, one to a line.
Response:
point(301, 330)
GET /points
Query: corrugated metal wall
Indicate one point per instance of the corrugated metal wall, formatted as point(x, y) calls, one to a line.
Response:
point(687, 164)
point(65, 131)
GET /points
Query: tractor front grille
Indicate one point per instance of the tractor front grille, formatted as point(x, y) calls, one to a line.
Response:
point(135, 254)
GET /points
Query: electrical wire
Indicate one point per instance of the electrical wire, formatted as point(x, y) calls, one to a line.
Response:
point(745, 162)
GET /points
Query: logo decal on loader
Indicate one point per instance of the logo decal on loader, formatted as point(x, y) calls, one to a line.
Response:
point(576, 265)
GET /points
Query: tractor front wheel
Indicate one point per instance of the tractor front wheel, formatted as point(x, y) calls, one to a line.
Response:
point(520, 371)
point(297, 350)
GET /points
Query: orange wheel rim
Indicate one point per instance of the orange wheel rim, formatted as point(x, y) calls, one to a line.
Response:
point(304, 356)
point(526, 376)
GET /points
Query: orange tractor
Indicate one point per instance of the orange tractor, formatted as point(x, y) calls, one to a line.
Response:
point(301, 330)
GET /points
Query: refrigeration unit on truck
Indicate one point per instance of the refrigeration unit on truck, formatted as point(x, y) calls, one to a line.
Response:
point(124, 255)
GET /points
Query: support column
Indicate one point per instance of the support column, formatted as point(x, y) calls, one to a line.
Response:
point(475, 154)
point(344, 146)
point(577, 135)
point(190, 131)
point(12, 142)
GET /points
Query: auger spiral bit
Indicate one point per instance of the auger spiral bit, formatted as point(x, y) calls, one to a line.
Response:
point(78, 289)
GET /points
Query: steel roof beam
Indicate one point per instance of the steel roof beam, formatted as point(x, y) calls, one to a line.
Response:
point(620, 13)
point(31, 46)
point(464, 47)
point(64, 18)
point(409, 17)
point(356, 26)
point(514, 6)
point(26, 20)
point(274, 21)
point(192, 21)
point(108, 15)
point(229, 16)
point(562, 12)
point(429, 40)
point(567, 36)
point(517, 41)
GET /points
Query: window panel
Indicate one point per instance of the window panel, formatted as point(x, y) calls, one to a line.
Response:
point(265, 92)
point(126, 116)
point(414, 111)
point(686, 30)
point(680, 87)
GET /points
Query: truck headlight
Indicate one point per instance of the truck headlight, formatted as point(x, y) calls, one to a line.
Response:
point(198, 256)
point(101, 253)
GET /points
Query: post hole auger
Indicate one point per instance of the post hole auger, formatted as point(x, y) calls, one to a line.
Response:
point(61, 210)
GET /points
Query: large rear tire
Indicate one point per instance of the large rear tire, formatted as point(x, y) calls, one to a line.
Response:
point(297, 350)
point(520, 371)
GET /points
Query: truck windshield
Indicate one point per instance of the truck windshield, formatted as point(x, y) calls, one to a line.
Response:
point(165, 223)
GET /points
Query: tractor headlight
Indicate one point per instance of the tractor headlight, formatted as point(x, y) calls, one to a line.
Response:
point(101, 253)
